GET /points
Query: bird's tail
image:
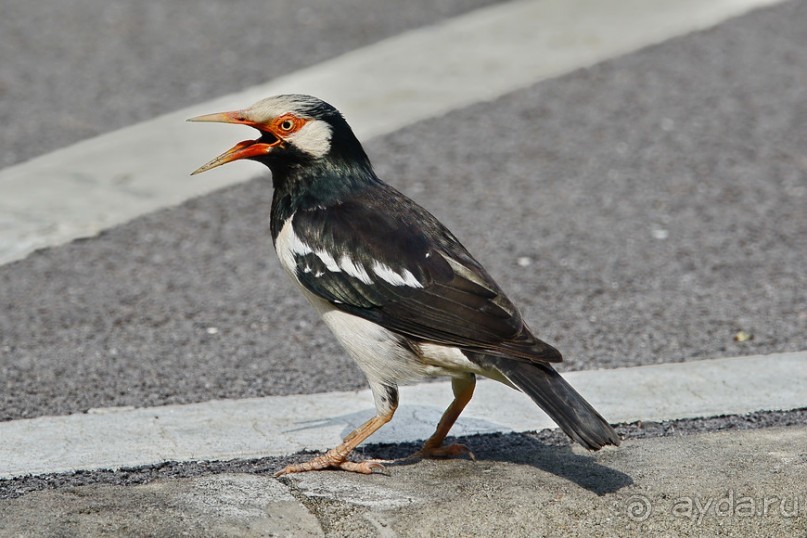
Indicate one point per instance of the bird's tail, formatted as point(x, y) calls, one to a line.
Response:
point(559, 400)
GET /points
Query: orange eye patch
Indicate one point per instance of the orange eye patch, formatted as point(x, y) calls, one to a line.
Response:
point(287, 124)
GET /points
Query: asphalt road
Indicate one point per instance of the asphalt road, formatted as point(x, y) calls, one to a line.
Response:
point(645, 210)
point(70, 71)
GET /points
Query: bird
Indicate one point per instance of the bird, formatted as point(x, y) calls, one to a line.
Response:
point(398, 290)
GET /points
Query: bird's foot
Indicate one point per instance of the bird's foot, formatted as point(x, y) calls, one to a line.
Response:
point(442, 452)
point(329, 461)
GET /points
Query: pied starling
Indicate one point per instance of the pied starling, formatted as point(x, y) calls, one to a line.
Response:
point(398, 290)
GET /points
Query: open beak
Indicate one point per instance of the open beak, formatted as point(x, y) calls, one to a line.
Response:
point(243, 150)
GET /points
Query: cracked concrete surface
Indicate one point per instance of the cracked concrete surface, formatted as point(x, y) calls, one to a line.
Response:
point(219, 505)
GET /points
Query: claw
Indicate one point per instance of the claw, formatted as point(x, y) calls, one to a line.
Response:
point(328, 462)
point(364, 467)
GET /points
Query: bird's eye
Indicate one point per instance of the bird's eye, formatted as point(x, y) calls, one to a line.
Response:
point(286, 125)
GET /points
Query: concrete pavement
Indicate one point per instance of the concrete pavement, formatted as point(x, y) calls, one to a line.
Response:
point(732, 483)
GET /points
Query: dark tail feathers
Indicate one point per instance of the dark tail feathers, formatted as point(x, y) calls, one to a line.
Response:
point(559, 400)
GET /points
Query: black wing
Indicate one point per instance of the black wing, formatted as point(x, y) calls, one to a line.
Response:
point(382, 257)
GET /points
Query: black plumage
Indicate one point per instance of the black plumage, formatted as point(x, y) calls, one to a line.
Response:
point(458, 304)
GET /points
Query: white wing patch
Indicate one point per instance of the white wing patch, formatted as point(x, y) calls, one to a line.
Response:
point(354, 270)
point(288, 245)
point(386, 273)
point(328, 260)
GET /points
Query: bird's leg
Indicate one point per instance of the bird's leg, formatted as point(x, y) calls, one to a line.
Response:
point(336, 458)
point(463, 388)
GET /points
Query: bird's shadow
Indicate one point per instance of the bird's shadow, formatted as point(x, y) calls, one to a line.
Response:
point(549, 450)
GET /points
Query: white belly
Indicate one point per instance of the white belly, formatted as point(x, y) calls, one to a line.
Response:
point(376, 350)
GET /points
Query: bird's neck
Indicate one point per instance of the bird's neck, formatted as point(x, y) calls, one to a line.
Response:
point(317, 184)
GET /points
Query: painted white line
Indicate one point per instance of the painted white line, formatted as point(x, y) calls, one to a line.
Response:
point(283, 425)
point(83, 189)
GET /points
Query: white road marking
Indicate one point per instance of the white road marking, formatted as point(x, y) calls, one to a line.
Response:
point(282, 425)
point(83, 189)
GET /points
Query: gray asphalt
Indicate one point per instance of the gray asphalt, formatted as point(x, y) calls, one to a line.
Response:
point(69, 71)
point(658, 200)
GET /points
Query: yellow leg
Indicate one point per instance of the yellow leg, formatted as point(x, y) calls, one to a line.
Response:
point(336, 458)
point(433, 447)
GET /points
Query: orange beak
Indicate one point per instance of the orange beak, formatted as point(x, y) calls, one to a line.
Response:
point(243, 150)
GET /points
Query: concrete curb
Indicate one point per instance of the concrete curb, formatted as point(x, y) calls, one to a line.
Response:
point(258, 427)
